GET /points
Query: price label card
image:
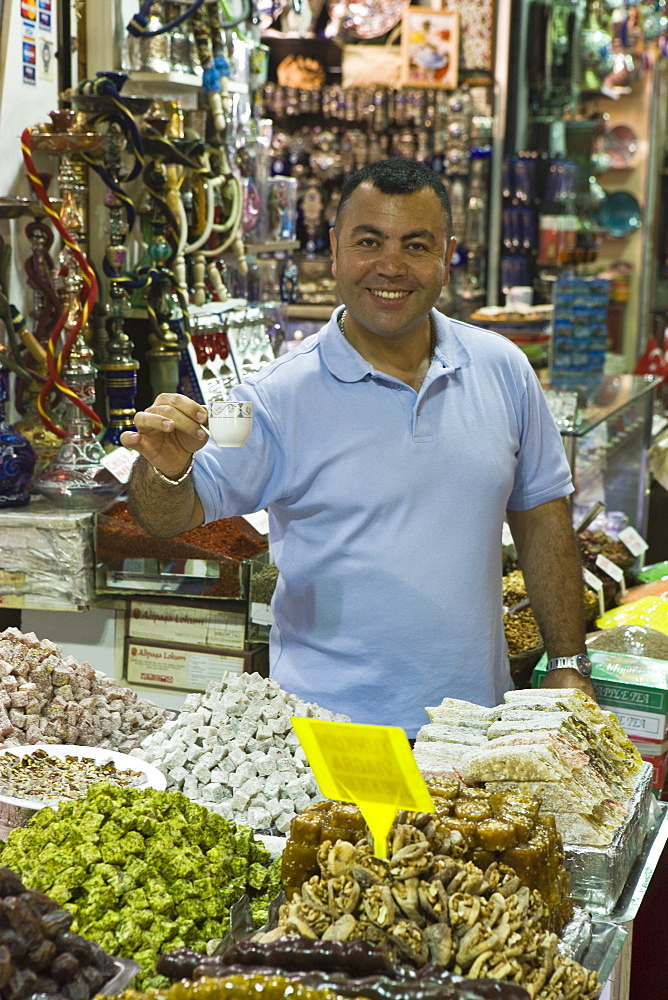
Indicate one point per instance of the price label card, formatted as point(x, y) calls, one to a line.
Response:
point(371, 766)
point(596, 585)
point(592, 580)
point(261, 614)
point(259, 521)
point(634, 542)
point(612, 570)
point(119, 463)
point(506, 535)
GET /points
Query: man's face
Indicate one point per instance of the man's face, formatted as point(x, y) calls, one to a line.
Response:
point(391, 258)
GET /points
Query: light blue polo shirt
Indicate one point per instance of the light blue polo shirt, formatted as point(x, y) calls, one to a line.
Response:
point(386, 508)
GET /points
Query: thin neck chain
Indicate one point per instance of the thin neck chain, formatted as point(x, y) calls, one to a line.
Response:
point(432, 331)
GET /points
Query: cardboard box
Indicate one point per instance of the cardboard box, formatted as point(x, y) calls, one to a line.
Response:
point(186, 668)
point(655, 752)
point(188, 623)
point(658, 770)
point(47, 557)
point(635, 688)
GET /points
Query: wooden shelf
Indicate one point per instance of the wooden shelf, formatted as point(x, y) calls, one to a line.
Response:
point(306, 311)
point(272, 246)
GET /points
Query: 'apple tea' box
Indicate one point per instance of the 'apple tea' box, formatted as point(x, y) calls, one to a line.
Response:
point(635, 688)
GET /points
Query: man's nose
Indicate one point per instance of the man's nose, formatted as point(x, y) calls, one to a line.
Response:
point(391, 261)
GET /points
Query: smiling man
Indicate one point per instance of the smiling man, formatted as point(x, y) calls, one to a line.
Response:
point(388, 449)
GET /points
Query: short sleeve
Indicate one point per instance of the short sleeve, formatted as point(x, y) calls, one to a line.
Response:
point(542, 472)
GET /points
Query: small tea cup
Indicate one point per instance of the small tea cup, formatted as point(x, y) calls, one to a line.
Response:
point(230, 422)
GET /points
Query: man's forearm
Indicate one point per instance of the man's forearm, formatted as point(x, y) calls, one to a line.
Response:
point(550, 561)
point(160, 508)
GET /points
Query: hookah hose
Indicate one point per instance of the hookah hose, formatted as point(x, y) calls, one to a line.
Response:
point(124, 119)
point(54, 359)
point(138, 26)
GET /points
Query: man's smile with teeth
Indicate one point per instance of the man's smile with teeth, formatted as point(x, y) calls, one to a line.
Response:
point(388, 295)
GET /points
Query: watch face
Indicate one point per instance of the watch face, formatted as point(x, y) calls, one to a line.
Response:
point(584, 665)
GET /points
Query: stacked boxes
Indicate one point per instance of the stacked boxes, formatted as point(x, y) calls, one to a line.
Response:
point(185, 646)
point(635, 688)
point(580, 331)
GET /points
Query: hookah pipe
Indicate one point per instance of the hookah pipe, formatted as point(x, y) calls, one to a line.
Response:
point(104, 85)
point(39, 268)
point(15, 326)
point(55, 359)
point(155, 279)
point(138, 25)
point(215, 72)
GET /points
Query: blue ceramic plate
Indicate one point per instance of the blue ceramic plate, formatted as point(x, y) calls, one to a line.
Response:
point(619, 213)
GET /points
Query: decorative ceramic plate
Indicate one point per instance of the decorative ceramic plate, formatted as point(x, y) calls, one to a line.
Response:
point(620, 214)
point(366, 18)
point(621, 145)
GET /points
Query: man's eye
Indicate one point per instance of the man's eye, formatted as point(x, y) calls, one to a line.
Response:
point(368, 241)
point(417, 246)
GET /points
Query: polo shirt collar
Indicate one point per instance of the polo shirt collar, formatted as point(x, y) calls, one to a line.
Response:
point(347, 365)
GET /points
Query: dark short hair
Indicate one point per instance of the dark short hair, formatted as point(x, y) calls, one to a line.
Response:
point(397, 176)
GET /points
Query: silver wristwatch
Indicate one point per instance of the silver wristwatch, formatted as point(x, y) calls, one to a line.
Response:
point(581, 663)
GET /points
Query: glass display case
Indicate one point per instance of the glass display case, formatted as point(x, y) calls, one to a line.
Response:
point(607, 431)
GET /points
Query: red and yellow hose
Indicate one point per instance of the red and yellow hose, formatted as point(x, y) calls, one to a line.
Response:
point(55, 357)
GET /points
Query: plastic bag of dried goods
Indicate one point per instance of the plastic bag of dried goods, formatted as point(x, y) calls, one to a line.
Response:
point(650, 612)
point(635, 640)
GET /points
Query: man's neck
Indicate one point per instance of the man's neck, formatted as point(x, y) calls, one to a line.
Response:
point(405, 358)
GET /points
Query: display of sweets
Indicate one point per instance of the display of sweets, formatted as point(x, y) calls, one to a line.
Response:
point(472, 825)
point(553, 743)
point(142, 870)
point(316, 986)
point(349, 968)
point(39, 954)
point(428, 905)
point(46, 697)
point(580, 330)
point(234, 750)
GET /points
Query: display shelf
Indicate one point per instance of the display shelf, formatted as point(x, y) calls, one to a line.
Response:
point(597, 447)
point(306, 311)
point(272, 246)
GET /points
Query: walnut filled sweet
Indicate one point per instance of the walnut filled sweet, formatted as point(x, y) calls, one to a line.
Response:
point(429, 905)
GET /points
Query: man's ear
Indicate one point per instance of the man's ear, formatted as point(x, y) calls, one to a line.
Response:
point(333, 244)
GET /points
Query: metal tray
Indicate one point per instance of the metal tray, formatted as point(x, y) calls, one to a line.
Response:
point(640, 875)
point(607, 940)
point(599, 875)
point(126, 970)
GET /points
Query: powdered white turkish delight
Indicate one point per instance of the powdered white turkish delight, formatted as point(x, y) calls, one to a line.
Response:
point(233, 748)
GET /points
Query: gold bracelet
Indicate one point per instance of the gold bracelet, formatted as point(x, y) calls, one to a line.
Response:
point(175, 482)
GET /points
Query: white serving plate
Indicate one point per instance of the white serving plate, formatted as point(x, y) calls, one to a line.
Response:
point(122, 761)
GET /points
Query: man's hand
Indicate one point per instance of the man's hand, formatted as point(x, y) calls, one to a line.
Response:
point(168, 432)
point(569, 679)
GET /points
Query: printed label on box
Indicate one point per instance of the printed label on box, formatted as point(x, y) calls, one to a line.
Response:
point(187, 625)
point(639, 724)
point(262, 614)
point(177, 669)
point(627, 698)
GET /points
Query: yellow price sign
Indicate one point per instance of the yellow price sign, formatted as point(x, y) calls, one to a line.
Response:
point(371, 766)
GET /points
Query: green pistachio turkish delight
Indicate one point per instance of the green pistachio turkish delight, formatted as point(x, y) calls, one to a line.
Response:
point(142, 871)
